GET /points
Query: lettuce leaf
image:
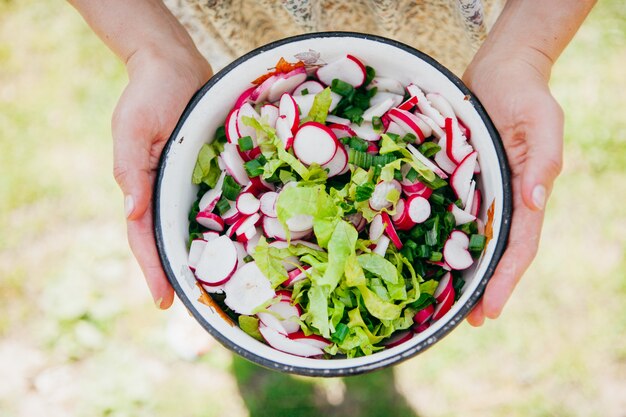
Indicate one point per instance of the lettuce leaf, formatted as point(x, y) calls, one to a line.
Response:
point(206, 169)
point(379, 266)
point(321, 105)
point(269, 261)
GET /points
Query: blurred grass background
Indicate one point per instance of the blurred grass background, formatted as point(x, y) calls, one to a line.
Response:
point(79, 335)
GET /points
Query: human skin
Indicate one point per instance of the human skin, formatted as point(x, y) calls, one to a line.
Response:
point(509, 74)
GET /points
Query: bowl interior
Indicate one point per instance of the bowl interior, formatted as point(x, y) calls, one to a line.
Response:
point(175, 193)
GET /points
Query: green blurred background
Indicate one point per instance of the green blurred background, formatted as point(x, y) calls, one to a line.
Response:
point(79, 335)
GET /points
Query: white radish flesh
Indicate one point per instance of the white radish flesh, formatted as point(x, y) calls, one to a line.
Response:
point(457, 147)
point(444, 306)
point(312, 339)
point(376, 228)
point(287, 314)
point(338, 163)
point(269, 113)
point(286, 83)
point(460, 216)
point(283, 131)
point(314, 143)
point(284, 344)
point(408, 122)
point(455, 253)
point(261, 93)
point(418, 209)
point(436, 130)
point(470, 197)
point(217, 262)
point(444, 288)
point(461, 178)
point(248, 289)
point(234, 164)
point(365, 131)
point(391, 231)
point(274, 229)
point(210, 235)
point(231, 126)
point(381, 96)
point(378, 200)
point(377, 110)
point(381, 246)
point(296, 275)
point(248, 204)
point(195, 252)
point(390, 85)
point(210, 221)
point(347, 68)
point(242, 128)
point(312, 87)
point(210, 198)
point(441, 157)
point(429, 164)
point(341, 131)
point(268, 204)
point(332, 119)
point(289, 109)
point(439, 103)
point(424, 105)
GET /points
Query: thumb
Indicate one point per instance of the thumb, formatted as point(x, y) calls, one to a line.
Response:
point(544, 159)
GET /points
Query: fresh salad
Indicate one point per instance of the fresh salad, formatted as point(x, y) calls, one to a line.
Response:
point(336, 209)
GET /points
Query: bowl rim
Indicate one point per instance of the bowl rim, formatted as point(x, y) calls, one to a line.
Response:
point(453, 322)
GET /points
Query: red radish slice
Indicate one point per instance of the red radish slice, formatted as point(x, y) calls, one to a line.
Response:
point(270, 321)
point(312, 339)
point(287, 315)
point(311, 87)
point(475, 208)
point(424, 314)
point(274, 229)
point(377, 228)
point(314, 143)
point(408, 122)
point(300, 223)
point(210, 235)
point(341, 131)
point(390, 85)
point(381, 246)
point(444, 288)
point(235, 226)
point(241, 253)
point(378, 200)
point(231, 126)
point(232, 214)
point(248, 204)
point(441, 157)
point(470, 197)
point(365, 131)
point(251, 244)
point(338, 163)
point(408, 104)
point(417, 188)
point(377, 110)
point(217, 289)
point(439, 103)
point(460, 237)
point(217, 262)
point(444, 306)
point(436, 130)
point(396, 129)
point(268, 204)
point(240, 228)
point(398, 338)
point(424, 105)
point(420, 328)
point(195, 251)
point(391, 231)
point(210, 198)
point(283, 131)
point(261, 92)
point(269, 113)
point(258, 187)
point(248, 289)
point(304, 103)
point(372, 148)
point(460, 216)
point(381, 96)
point(234, 164)
point(244, 234)
point(461, 178)
point(286, 83)
point(427, 162)
point(289, 109)
point(284, 344)
point(457, 147)
point(243, 98)
point(296, 275)
point(347, 68)
point(465, 129)
point(441, 265)
point(455, 253)
point(332, 119)
point(399, 211)
point(242, 128)
point(210, 221)
point(418, 209)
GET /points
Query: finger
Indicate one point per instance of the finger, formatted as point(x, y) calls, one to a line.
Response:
point(476, 317)
point(521, 250)
point(544, 136)
point(143, 246)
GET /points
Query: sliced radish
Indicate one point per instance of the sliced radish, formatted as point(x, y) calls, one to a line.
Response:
point(408, 104)
point(465, 129)
point(420, 328)
point(258, 187)
point(248, 204)
point(284, 344)
point(248, 289)
point(210, 221)
point(231, 126)
point(444, 288)
point(396, 129)
point(347, 68)
point(274, 229)
point(460, 237)
point(195, 252)
point(424, 105)
point(475, 208)
point(245, 234)
point(210, 235)
point(234, 164)
point(457, 147)
point(246, 110)
point(268, 204)
point(296, 275)
point(460, 216)
point(391, 231)
point(338, 164)
point(289, 109)
point(261, 92)
point(300, 223)
point(312, 87)
point(399, 211)
point(436, 130)
point(217, 262)
point(381, 96)
point(269, 113)
point(418, 209)
point(246, 225)
point(470, 197)
point(286, 83)
point(409, 122)
point(210, 198)
point(378, 200)
point(252, 243)
point(444, 306)
point(283, 131)
point(312, 339)
point(314, 143)
point(272, 322)
point(287, 314)
point(341, 131)
point(381, 246)
point(332, 119)
point(232, 214)
point(439, 103)
point(441, 264)
point(304, 104)
point(243, 98)
point(241, 253)
point(398, 338)
point(377, 110)
point(390, 85)
point(461, 178)
point(365, 131)
point(441, 157)
point(455, 252)
point(372, 148)
point(291, 262)
point(377, 228)
point(427, 162)
point(424, 314)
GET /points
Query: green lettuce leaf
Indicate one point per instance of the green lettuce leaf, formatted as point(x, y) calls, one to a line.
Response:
point(320, 107)
point(379, 266)
point(250, 325)
point(269, 261)
point(206, 169)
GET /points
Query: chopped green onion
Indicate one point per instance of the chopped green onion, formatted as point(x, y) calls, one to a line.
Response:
point(393, 136)
point(417, 232)
point(230, 188)
point(248, 258)
point(411, 175)
point(254, 168)
point(245, 143)
point(304, 92)
point(341, 331)
point(370, 73)
point(477, 243)
point(361, 99)
point(422, 302)
point(220, 134)
point(423, 251)
point(360, 158)
point(469, 228)
point(429, 149)
point(358, 144)
point(435, 256)
point(354, 114)
point(377, 123)
point(409, 138)
point(437, 198)
point(222, 205)
point(341, 87)
point(397, 175)
point(364, 192)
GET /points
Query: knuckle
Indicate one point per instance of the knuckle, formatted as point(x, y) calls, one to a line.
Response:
point(120, 173)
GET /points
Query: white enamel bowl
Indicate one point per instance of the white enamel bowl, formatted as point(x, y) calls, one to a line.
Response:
point(175, 193)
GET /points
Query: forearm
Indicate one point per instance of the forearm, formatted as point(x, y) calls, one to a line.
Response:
point(535, 30)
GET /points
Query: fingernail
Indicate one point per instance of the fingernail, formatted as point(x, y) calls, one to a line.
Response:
point(129, 205)
point(158, 303)
point(539, 197)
